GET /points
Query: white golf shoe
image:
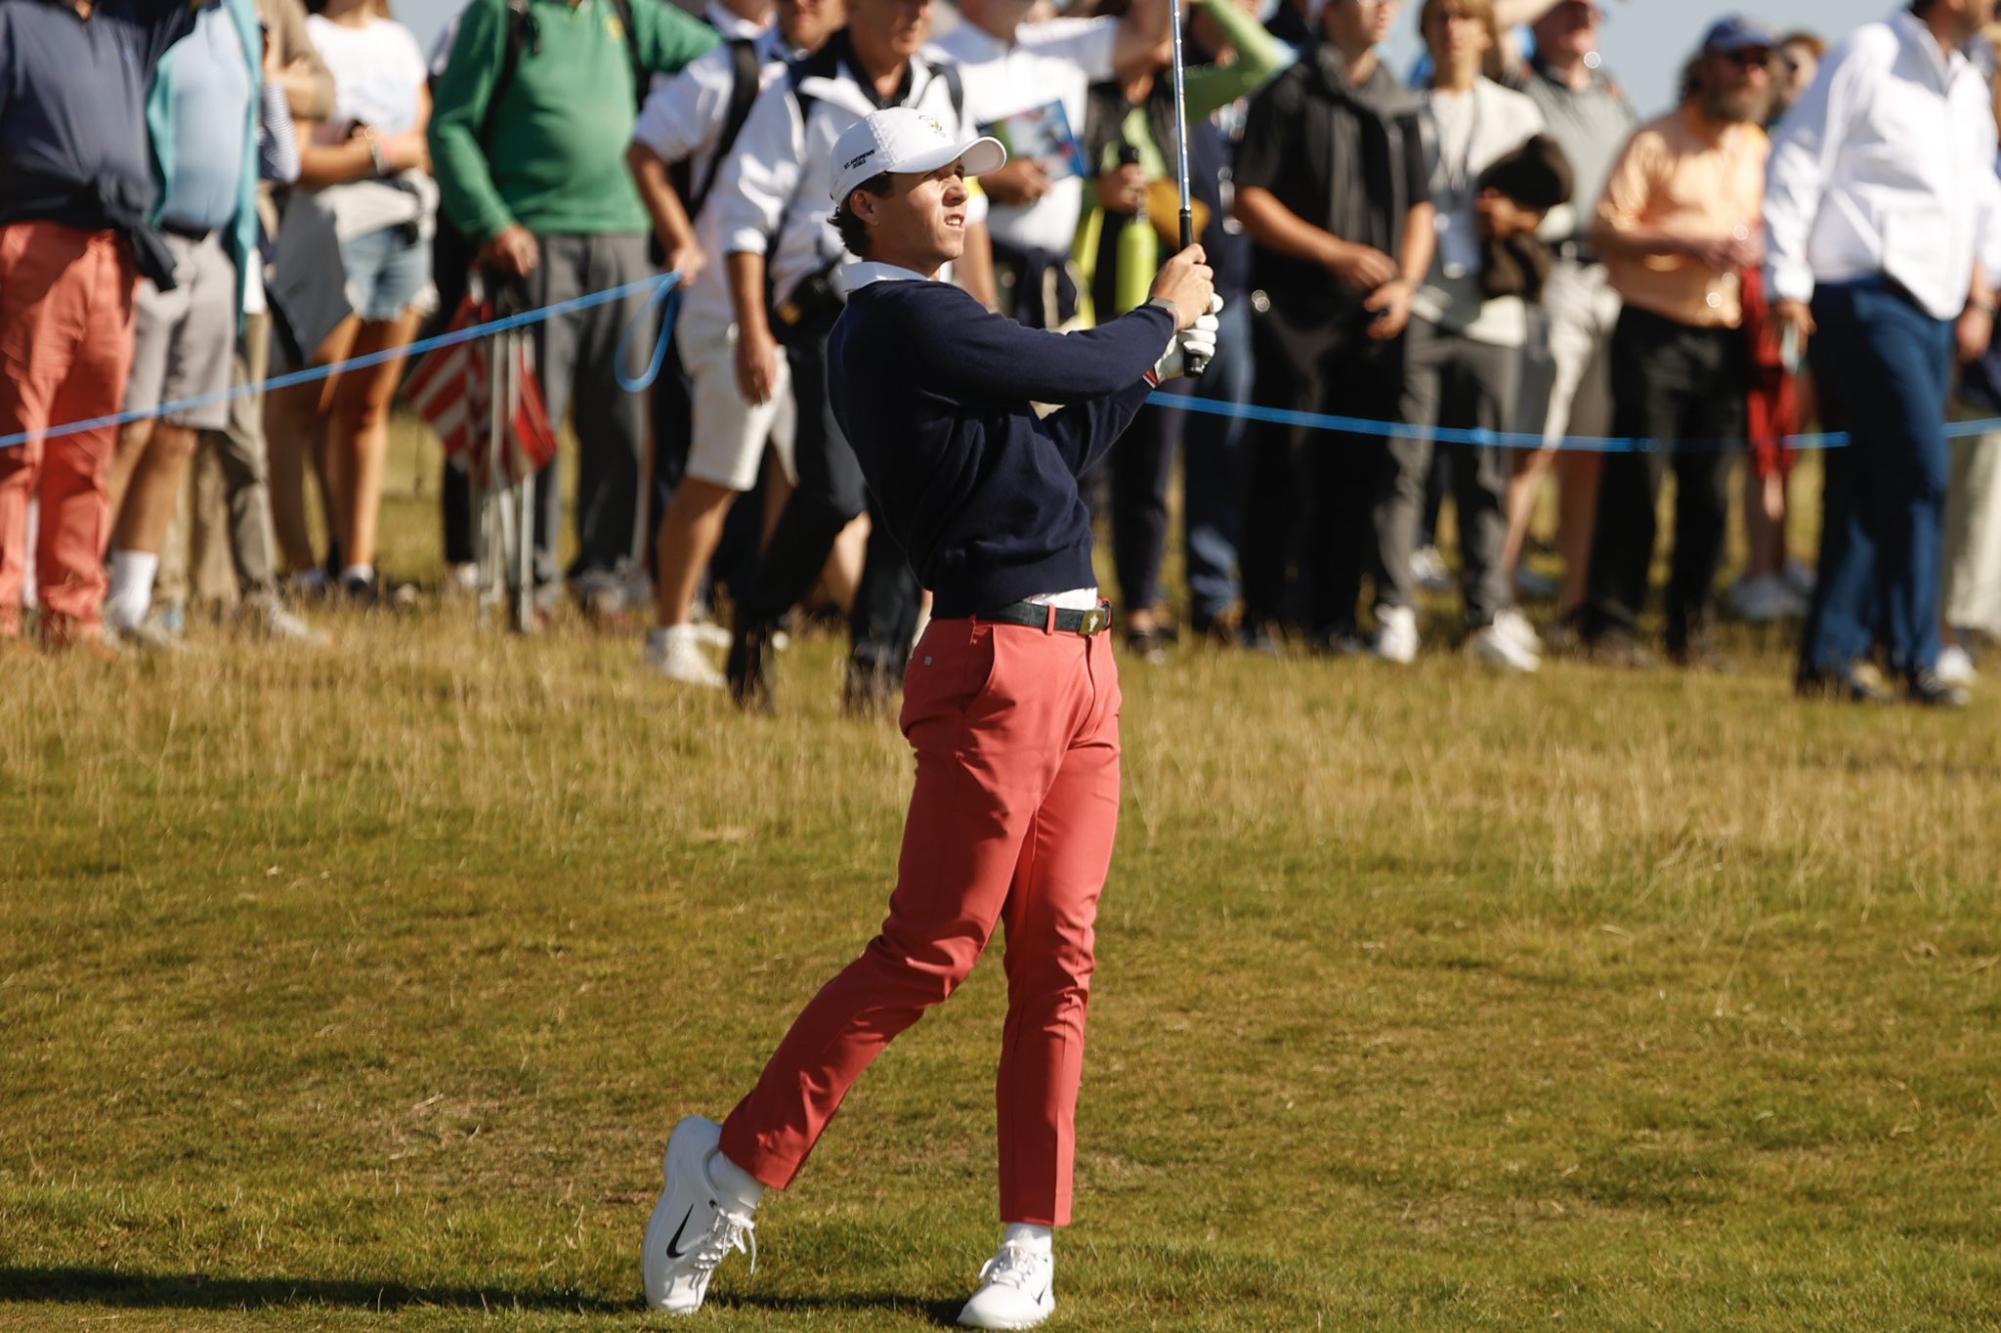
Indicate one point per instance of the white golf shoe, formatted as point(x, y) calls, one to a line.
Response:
point(1396, 635)
point(1508, 644)
point(676, 653)
point(690, 1234)
point(1017, 1289)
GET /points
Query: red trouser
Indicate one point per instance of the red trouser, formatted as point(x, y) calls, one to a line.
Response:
point(1013, 817)
point(65, 352)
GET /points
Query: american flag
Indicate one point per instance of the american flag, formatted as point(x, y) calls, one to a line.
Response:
point(450, 391)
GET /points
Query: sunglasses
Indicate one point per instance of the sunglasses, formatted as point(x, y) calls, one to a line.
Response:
point(1748, 59)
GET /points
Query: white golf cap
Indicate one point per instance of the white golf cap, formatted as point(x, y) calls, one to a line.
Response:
point(905, 140)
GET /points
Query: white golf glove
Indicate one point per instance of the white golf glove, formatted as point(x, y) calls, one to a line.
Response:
point(1196, 343)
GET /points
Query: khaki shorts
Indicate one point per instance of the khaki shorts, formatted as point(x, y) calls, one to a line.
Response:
point(184, 341)
point(729, 435)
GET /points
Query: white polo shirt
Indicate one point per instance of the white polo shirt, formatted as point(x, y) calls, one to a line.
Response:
point(1053, 61)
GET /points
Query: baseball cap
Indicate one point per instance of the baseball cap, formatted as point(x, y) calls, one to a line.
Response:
point(903, 139)
point(1737, 33)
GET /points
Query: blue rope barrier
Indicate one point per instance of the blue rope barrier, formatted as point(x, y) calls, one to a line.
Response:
point(655, 286)
point(1483, 439)
point(666, 298)
point(664, 295)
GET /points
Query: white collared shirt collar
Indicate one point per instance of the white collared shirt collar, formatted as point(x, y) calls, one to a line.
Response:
point(863, 272)
point(1911, 30)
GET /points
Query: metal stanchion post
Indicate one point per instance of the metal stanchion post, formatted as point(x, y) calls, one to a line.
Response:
point(524, 526)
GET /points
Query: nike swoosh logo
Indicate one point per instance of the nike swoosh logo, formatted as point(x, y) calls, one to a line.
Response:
point(674, 1245)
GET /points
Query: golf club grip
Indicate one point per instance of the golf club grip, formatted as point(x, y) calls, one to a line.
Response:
point(1195, 365)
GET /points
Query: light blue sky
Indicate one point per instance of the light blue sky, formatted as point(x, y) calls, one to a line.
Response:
point(1645, 40)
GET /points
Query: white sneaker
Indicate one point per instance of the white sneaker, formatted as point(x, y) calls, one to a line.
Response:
point(1501, 647)
point(1767, 598)
point(1396, 635)
point(676, 653)
point(689, 1234)
point(1800, 578)
point(1955, 666)
point(1427, 566)
point(264, 614)
point(1515, 626)
point(1017, 1290)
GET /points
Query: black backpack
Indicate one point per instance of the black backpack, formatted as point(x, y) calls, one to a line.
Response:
point(745, 75)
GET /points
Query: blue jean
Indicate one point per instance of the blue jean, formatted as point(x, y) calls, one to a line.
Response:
point(1212, 460)
point(387, 270)
point(1883, 367)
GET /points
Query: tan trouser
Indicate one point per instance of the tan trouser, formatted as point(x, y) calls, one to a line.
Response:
point(221, 533)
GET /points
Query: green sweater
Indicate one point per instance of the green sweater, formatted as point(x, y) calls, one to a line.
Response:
point(556, 164)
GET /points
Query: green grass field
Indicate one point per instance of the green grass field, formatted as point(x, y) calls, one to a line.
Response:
point(362, 987)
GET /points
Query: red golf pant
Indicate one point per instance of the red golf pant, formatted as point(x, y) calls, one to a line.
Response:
point(65, 352)
point(1012, 821)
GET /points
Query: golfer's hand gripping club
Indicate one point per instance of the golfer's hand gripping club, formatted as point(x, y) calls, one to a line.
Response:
point(1188, 284)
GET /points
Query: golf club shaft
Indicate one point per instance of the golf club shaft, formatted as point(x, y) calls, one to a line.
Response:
point(1195, 365)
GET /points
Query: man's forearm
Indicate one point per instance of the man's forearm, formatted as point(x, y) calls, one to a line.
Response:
point(1420, 242)
point(671, 224)
point(1276, 227)
point(746, 275)
point(1621, 241)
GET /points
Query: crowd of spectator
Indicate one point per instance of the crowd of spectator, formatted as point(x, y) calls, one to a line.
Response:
point(1490, 248)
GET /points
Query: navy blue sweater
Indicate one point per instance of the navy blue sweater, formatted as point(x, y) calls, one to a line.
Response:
point(934, 393)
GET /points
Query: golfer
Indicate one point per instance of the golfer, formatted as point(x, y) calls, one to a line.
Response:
point(1011, 703)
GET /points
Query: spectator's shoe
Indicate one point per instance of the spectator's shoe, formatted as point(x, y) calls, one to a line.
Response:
point(707, 632)
point(362, 593)
point(1927, 690)
point(1017, 1290)
point(462, 580)
point(1955, 666)
point(1396, 635)
point(1698, 654)
point(1507, 644)
point(690, 1234)
point(1259, 639)
point(1532, 585)
point(870, 688)
point(1765, 599)
point(602, 596)
point(308, 585)
point(1565, 638)
point(264, 615)
point(675, 652)
point(150, 636)
point(1853, 685)
point(1219, 629)
point(1428, 567)
point(1621, 652)
point(1337, 643)
point(749, 670)
point(1800, 579)
point(1515, 626)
